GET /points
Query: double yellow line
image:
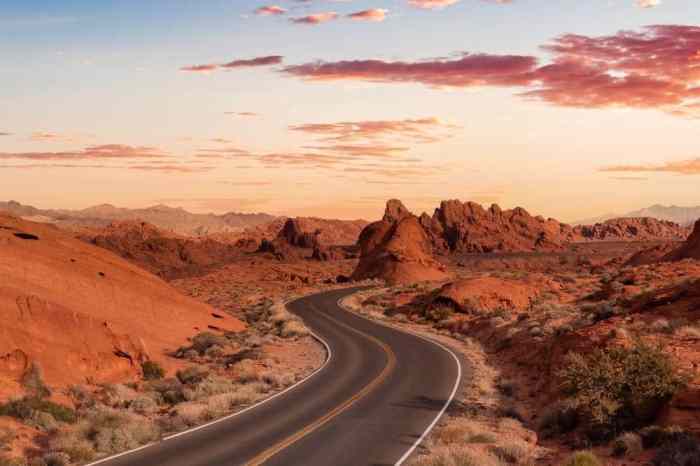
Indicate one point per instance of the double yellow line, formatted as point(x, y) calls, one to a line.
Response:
point(391, 364)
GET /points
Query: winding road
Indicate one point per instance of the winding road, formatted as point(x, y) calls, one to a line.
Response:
point(378, 393)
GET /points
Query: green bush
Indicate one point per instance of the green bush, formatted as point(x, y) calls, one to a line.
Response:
point(583, 458)
point(620, 388)
point(438, 314)
point(205, 340)
point(152, 370)
point(24, 409)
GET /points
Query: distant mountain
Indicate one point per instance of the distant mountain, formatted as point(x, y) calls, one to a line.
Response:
point(684, 216)
point(172, 219)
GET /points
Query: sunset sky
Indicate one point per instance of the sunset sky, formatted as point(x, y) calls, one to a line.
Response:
point(568, 108)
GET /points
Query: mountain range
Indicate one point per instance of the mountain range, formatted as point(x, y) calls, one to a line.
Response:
point(685, 216)
point(173, 219)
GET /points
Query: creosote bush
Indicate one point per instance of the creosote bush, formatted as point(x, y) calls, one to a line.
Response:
point(617, 389)
point(152, 370)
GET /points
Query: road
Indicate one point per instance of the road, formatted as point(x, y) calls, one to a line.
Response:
point(377, 394)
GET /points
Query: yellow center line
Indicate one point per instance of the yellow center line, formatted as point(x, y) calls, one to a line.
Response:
point(391, 364)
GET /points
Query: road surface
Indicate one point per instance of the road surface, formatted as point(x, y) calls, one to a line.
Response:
point(380, 390)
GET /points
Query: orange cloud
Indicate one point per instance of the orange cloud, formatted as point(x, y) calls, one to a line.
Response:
point(418, 130)
point(107, 151)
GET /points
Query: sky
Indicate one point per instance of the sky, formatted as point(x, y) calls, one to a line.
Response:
point(570, 109)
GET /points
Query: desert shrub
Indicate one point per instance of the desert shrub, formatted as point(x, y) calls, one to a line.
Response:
point(246, 371)
point(73, 443)
point(33, 382)
point(559, 418)
point(618, 388)
point(690, 332)
point(170, 390)
point(144, 405)
point(53, 459)
point(24, 408)
point(481, 437)
point(205, 340)
point(277, 380)
point(118, 395)
point(681, 452)
point(627, 444)
point(190, 414)
point(114, 431)
point(210, 386)
point(191, 375)
point(438, 314)
point(152, 370)
point(456, 456)
point(656, 436)
point(583, 458)
point(293, 328)
point(42, 421)
point(511, 452)
point(7, 436)
point(81, 397)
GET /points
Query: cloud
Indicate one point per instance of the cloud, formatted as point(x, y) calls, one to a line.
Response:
point(253, 62)
point(465, 71)
point(270, 10)
point(431, 4)
point(629, 178)
point(417, 130)
point(103, 152)
point(657, 67)
point(362, 150)
point(243, 114)
point(235, 64)
point(171, 168)
point(648, 3)
point(373, 15)
point(2, 133)
point(682, 167)
point(316, 18)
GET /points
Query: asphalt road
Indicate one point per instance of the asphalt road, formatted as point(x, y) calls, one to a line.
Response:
point(377, 394)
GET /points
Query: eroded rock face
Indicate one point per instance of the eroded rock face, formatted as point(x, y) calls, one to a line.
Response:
point(691, 248)
point(633, 229)
point(165, 254)
point(469, 228)
point(83, 313)
point(396, 249)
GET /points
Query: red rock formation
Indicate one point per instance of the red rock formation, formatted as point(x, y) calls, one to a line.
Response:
point(691, 248)
point(163, 253)
point(83, 313)
point(468, 227)
point(396, 249)
point(633, 229)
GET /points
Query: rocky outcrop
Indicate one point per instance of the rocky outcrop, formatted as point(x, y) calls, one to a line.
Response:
point(165, 254)
point(83, 313)
point(633, 229)
point(397, 249)
point(469, 228)
point(689, 250)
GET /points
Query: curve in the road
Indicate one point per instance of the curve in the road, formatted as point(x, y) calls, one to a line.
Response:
point(371, 403)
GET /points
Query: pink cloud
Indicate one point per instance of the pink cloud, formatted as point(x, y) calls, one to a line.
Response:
point(270, 10)
point(107, 151)
point(657, 67)
point(316, 18)
point(245, 63)
point(372, 15)
point(431, 4)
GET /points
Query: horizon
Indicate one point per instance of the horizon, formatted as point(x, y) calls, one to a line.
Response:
point(260, 106)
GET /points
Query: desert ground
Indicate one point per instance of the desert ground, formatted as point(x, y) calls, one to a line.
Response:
point(580, 344)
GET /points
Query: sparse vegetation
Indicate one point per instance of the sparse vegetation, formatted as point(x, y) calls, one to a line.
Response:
point(683, 451)
point(27, 408)
point(152, 370)
point(583, 458)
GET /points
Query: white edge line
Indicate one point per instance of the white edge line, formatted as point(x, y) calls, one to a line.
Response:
point(454, 389)
point(329, 356)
